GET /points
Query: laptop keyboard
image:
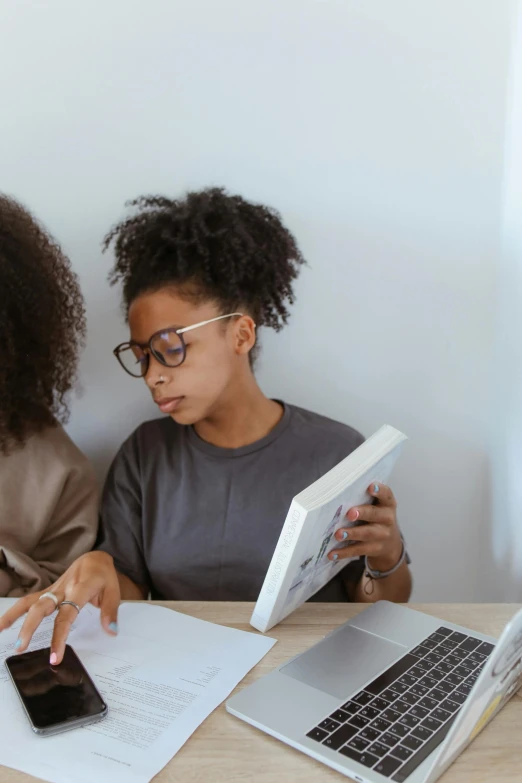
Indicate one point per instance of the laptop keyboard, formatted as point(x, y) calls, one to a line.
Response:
point(397, 720)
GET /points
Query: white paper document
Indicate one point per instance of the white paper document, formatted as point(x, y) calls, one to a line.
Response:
point(161, 677)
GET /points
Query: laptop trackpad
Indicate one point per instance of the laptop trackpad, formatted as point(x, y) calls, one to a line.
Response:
point(344, 662)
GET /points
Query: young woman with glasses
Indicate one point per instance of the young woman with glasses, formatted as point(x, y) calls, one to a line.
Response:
point(195, 501)
point(48, 494)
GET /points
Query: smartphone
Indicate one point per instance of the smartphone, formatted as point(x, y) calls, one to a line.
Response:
point(55, 698)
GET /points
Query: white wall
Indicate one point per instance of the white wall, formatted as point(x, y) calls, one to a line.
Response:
point(377, 129)
point(505, 575)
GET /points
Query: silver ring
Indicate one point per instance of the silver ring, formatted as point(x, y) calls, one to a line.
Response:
point(51, 596)
point(70, 603)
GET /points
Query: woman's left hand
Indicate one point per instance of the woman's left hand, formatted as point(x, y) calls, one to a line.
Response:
point(379, 539)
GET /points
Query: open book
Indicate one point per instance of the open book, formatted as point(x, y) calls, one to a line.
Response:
point(300, 564)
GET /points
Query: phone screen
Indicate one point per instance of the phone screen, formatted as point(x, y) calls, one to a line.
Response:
point(54, 695)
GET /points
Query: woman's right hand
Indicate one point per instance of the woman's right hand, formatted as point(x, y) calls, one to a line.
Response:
point(90, 579)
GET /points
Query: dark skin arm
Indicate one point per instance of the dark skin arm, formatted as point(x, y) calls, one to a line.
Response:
point(381, 541)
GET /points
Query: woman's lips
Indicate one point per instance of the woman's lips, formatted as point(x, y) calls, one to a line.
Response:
point(168, 404)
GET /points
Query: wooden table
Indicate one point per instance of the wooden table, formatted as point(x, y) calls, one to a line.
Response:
point(225, 749)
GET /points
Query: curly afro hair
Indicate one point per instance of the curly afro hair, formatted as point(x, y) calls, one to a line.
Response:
point(42, 327)
point(209, 245)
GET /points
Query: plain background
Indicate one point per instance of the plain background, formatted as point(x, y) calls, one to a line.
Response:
point(383, 132)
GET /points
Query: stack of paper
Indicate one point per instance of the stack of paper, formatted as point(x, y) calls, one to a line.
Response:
point(161, 677)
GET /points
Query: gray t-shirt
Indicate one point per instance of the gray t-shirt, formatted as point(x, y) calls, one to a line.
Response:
point(197, 522)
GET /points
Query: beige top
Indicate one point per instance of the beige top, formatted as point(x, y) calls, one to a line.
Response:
point(48, 511)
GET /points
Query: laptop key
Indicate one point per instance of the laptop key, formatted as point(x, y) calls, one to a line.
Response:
point(459, 653)
point(406, 679)
point(389, 695)
point(409, 720)
point(379, 749)
point(460, 698)
point(417, 672)
point(369, 712)
point(428, 703)
point(399, 687)
point(402, 753)
point(328, 725)
point(366, 758)
point(431, 723)
point(399, 730)
point(340, 737)
point(444, 667)
point(363, 698)
point(441, 715)
point(450, 706)
point(477, 657)
point(380, 725)
point(436, 637)
point(359, 744)
point(419, 712)
point(453, 660)
point(390, 675)
point(428, 682)
point(421, 733)
point(433, 658)
point(369, 734)
point(419, 690)
point(389, 739)
point(391, 715)
point(486, 648)
point(380, 704)
point(454, 679)
point(444, 631)
point(424, 665)
point(458, 637)
point(401, 706)
point(449, 644)
point(435, 674)
point(387, 766)
point(445, 687)
point(470, 644)
point(340, 715)
point(351, 706)
point(437, 694)
point(358, 721)
point(463, 671)
point(429, 643)
point(317, 734)
point(419, 652)
point(413, 743)
point(410, 698)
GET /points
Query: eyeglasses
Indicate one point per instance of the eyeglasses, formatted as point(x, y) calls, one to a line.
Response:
point(167, 346)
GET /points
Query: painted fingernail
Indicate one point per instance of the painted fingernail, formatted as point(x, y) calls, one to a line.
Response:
point(52, 659)
point(376, 488)
point(18, 644)
point(345, 534)
point(113, 627)
point(334, 557)
point(357, 515)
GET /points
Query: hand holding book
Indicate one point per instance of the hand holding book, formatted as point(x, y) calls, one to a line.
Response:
point(373, 531)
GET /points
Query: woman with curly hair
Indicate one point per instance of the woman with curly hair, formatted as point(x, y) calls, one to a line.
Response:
point(194, 502)
point(48, 495)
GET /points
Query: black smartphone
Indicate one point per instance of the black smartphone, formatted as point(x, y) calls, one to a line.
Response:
point(55, 698)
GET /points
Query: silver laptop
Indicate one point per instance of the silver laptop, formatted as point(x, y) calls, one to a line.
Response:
point(392, 694)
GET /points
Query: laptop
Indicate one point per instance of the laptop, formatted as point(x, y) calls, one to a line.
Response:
point(393, 694)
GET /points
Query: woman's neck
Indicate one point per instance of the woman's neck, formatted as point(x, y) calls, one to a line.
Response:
point(243, 417)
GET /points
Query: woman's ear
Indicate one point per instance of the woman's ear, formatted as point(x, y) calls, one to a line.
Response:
point(245, 335)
